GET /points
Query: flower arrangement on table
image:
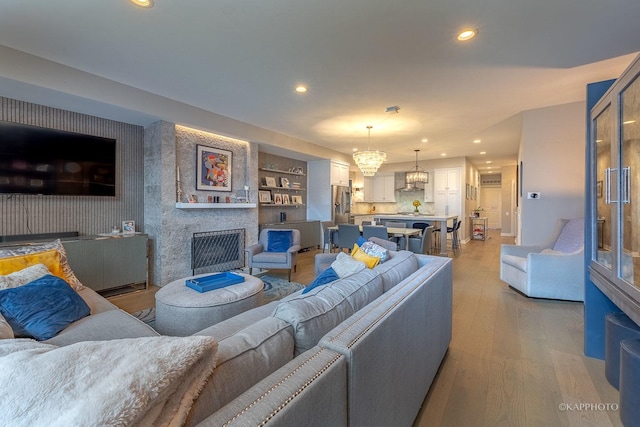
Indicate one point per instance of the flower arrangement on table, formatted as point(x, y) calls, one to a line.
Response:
point(416, 203)
point(476, 211)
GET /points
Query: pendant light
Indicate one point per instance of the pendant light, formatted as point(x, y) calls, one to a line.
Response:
point(369, 161)
point(417, 174)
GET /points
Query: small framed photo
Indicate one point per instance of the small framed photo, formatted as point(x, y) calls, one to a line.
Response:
point(269, 181)
point(213, 169)
point(285, 199)
point(284, 182)
point(599, 189)
point(264, 196)
point(128, 227)
point(296, 200)
point(277, 198)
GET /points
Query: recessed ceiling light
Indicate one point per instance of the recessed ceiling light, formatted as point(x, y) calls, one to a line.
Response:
point(483, 152)
point(477, 141)
point(301, 89)
point(143, 3)
point(443, 154)
point(488, 161)
point(628, 122)
point(425, 140)
point(355, 149)
point(467, 34)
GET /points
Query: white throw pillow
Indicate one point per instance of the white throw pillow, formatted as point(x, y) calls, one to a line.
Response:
point(345, 266)
point(24, 276)
point(5, 329)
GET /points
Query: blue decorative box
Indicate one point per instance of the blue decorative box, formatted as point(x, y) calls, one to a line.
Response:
point(215, 281)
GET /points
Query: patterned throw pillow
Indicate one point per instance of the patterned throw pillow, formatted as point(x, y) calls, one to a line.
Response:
point(63, 264)
point(24, 276)
point(375, 250)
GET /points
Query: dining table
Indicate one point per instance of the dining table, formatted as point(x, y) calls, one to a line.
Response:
point(442, 219)
point(391, 231)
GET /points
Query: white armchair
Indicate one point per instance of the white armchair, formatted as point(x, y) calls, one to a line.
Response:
point(554, 270)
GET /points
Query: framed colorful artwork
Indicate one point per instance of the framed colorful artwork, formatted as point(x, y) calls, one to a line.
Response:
point(213, 169)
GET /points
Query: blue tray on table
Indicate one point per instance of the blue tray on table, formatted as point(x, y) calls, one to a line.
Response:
point(215, 281)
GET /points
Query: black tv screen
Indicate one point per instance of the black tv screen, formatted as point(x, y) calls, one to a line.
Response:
point(36, 160)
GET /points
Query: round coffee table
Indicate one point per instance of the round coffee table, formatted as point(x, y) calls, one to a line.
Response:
point(182, 311)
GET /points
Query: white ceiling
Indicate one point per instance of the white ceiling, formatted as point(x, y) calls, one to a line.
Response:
point(242, 59)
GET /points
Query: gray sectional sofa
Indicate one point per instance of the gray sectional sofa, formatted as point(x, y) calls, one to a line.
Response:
point(359, 351)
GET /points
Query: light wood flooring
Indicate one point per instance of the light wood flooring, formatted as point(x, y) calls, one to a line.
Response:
point(513, 361)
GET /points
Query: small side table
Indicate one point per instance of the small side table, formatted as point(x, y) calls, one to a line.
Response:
point(182, 311)
point(479, 228)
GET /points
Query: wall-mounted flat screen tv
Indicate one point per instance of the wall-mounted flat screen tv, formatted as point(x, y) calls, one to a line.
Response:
point(37, 160)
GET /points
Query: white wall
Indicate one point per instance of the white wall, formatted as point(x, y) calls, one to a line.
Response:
point(552, 154)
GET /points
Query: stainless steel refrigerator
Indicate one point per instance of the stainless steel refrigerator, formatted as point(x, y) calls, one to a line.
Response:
point(341, 203)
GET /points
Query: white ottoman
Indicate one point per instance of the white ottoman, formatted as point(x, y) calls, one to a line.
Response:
point(182, 311)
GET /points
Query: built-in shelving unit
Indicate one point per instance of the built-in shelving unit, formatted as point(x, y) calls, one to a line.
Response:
point(283, 180)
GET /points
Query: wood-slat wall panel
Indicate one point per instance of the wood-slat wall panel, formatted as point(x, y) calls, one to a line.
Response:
point(26, 214)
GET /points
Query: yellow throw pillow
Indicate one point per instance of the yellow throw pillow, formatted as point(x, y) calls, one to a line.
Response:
point(50, 258)
point(360, 255)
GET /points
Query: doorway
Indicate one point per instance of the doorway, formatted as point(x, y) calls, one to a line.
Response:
point(491, 201)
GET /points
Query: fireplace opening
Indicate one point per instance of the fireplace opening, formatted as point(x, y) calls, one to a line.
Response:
point(213, 251)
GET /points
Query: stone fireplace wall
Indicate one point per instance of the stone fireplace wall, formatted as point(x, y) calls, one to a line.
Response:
point(167, 147)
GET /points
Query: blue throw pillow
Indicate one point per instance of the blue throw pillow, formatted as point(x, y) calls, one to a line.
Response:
point(42, 308)
point(327, 276)
point(361, 241)
point(279, 240)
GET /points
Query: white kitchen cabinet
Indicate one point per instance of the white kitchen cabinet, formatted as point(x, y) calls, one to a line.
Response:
point(380, 188)
point(447, 195)
point(428, 188)
point(339, 173)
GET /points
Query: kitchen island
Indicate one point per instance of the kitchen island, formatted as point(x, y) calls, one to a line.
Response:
point(409, 219)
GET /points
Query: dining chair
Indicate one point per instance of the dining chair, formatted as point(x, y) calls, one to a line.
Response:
point(421, 244)
point(396, 224)
point(426, 228)
point(375, 230)
point(348, 235)
point(420, 225)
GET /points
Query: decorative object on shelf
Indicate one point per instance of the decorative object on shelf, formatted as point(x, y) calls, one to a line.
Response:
point(264, 196)
point(192, 198)
point(128, 227)
point(284, 182)
point(213, 169)
point(246, 193)
point(416, 204)
point(277, 198)
point(476, 212)
point(297, 200)
point(369, 161)
point(115, 230)
point(269, 181)
point(416, 175)
point(285, 199)
point(296, 186)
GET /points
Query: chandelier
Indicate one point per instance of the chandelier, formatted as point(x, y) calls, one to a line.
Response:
point(370, 160)
point(416, 175)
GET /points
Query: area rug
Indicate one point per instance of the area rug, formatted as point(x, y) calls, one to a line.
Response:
point(275, 288)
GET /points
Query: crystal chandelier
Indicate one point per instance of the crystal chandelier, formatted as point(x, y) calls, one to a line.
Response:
point(370, 160)
point(416, 175)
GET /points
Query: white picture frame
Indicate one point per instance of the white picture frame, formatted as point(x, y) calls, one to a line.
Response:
point(284, 182)
point(264, 196)
point(270, 181)
point(285, 199)
point(296, 200)
point(277, 198)
point(128, 227)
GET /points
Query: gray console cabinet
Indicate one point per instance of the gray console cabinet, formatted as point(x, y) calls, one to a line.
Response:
point(103, 263)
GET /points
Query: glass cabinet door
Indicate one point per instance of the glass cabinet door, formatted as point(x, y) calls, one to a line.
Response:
point(629, 249)
point(605, 187)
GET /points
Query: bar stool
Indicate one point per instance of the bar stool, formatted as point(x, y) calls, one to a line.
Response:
point(629, 382)
point(618, 327)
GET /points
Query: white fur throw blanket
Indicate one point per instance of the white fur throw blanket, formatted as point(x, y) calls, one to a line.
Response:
point(140, 381)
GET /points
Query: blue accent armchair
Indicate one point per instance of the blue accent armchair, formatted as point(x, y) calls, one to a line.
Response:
point(259, 254)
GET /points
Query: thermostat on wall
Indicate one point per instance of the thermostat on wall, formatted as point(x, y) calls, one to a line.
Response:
point(533, 195)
